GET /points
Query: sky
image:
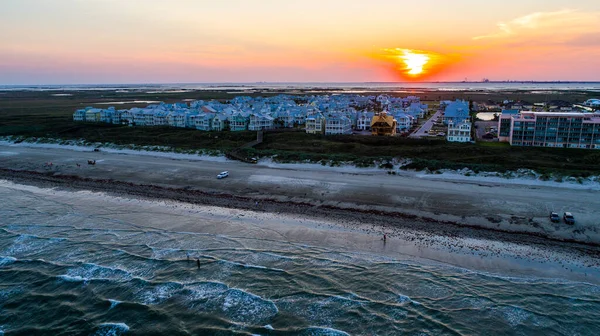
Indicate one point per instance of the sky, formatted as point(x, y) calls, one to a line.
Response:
point(208, 41)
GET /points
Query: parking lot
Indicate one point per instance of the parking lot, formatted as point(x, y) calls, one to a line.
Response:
point(483, 127)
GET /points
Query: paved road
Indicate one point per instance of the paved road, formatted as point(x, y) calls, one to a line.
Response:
point(427, 195)
point(427, 126)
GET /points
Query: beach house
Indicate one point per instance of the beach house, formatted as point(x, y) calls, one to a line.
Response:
point(79, 115)
point(258, 122)
point(363, 121)
point(238, 122)
point(403, 122)
point(338, 124)
point(459, 132)
point(315, 124)
point(106, 115)
point(383, 124)
point(456, 112)
point(92, 115)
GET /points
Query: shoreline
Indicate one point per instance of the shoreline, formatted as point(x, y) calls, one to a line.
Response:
point(473, 249)
point(321, 211)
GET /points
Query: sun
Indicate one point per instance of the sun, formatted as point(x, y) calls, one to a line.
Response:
point(414, 62)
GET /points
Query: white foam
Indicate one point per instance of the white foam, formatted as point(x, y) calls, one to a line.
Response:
point(88, 272)
point(326, 331)
point(159, 293)
point(71, 278)
point(7, 260)
point(113, 303)
point(111, 329)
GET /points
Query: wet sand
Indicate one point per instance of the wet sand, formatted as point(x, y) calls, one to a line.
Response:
point(286, 211)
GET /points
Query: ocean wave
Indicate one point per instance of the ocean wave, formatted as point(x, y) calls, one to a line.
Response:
point(260, 267)
point(113, 303)
point(111, 329)
point(323, 331)
point(235, 304)
point(88, 271)
point(7, 260)
point(159, 293)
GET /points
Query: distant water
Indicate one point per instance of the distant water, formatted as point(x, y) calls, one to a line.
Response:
point(343, 87)
point(83, 269)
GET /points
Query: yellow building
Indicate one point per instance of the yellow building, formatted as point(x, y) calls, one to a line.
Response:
point(383, 124)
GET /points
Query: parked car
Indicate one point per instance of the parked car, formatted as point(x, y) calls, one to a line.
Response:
point(223, 175)
point(568, 218)
point(554, 217)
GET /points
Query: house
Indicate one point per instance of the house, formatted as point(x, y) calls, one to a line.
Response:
point(594, 103)
point(259, 122)
point(106, 115)
point(218, 122)
point(417, 110)
point(148, 117)
point(139, 119)
point(79, 115)
point(363, 121)
point(204, 121)
point(403, 122)
point(459, 132)
point(456, 112)
point(117, 117)
point(238, 122)
point(160, 118)
point(338, 124)
point(92, 115)
point(383, 124)
point(315, 124)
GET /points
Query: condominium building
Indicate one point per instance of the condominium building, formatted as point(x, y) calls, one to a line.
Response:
point(547, 129)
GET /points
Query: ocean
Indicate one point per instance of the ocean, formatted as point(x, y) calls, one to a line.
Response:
point(81, 263)
point(406, 87)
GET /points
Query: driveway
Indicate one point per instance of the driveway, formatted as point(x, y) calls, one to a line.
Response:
point(427, 126)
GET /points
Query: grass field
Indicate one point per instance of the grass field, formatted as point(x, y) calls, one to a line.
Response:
point(42, 114)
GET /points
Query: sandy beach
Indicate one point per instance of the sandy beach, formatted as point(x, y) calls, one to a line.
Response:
point(486, 226)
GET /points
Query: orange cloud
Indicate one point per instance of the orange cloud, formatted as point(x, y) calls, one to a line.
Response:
point(558, 26)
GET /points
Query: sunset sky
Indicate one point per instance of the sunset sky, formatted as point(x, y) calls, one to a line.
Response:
point(177, 41)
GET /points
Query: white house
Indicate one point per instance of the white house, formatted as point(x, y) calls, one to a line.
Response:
point(204, 121)
point(139, 119)
point(363, 122)
point(92, 115)
point(404, 122)
point(259, 122)
point(460, 132)
point(160, 118)
point(337, 124)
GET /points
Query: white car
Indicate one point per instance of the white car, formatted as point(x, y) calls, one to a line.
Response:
point(223, 175)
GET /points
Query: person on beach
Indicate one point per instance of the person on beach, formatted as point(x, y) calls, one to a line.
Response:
point(384, 237)
point(198, 262)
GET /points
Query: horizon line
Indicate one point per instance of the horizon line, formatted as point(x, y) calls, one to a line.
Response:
point(263, 82)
